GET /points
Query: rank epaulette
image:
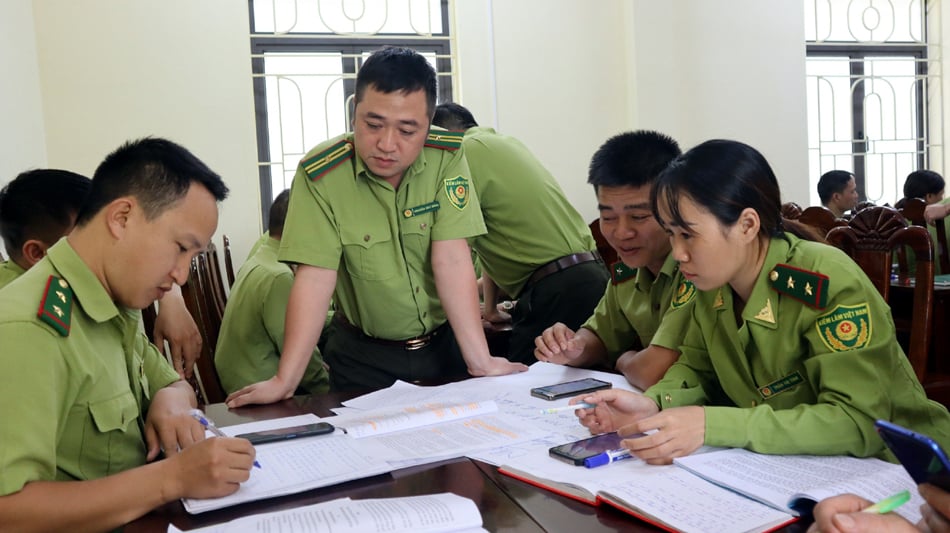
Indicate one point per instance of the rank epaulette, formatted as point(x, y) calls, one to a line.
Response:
point(445, 140)
point(810, 288)
point(619, 273)
point(317, 166)
point(57, 305)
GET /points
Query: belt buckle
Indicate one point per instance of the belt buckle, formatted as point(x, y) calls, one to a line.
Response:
point(417, 343)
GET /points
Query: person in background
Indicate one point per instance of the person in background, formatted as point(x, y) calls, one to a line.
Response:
point(252, 330)
point(838, 191)
point(926, 185)
point(88, 402)
point(637, 326)
point(537, 248)
point(37, 209)
point(790, 344)
point(379, 219)
point(842, 514)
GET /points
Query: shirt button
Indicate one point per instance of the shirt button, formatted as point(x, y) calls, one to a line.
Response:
point(423, 225)
point(668, 398)
point(754, 403)
point(366, 238)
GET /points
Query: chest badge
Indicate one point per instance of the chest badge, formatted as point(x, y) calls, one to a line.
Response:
point(457, 191)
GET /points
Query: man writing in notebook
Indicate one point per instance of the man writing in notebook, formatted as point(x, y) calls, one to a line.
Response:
point(379, 220)
point(87, 403)
point(637, 325)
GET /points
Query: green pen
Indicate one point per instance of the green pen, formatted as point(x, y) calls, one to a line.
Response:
point(889, 504)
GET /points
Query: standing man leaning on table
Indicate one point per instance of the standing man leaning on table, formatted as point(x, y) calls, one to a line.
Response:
point(86, 400)
point(646, 302)
point(38, 208)
point(380, 216)
point(537, 248)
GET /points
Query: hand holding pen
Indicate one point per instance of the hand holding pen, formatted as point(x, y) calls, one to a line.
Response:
point(209, 425)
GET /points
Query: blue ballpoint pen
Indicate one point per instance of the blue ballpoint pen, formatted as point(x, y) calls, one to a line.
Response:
point(200, 416)
point(607, 457)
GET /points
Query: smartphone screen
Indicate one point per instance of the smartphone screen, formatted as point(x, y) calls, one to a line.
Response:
point(576, 452)
point(921, 456)
point(569, 388)
point(293, 432)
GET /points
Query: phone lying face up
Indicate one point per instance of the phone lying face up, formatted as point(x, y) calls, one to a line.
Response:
point(570, 388)
point(921, 456)
point(576, 452)
point(294, 432)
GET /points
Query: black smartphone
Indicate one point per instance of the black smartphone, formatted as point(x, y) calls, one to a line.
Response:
point(576, 452)
point(570, 388)
point(921, 456)
point(293, 432)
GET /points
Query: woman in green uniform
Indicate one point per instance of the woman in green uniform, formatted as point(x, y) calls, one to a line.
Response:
point(790, 349)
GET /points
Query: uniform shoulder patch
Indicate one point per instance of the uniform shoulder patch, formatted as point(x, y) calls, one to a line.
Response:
point(318, 165)
point(620, 272)
point(457, 191)
point(810, 288)
point(57, 305)
point(445, 140)
point(846, 327)
point(684, 292)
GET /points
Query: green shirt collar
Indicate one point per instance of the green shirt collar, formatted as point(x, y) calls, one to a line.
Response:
point(86, 287)
point(646, 279)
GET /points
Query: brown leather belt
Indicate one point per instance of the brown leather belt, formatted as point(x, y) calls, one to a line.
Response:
point(560, 264)
point(414, 343)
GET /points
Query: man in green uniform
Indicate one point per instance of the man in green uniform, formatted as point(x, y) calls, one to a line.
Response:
point(537, 248)
point(838, 191)
point(86, 400)
point(252, 330)
point(38, 208)
point(381, 217)
point(640, 320)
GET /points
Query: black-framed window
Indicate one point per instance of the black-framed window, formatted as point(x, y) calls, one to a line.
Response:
point(304, 65)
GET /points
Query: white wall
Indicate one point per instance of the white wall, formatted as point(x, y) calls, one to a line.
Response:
point(113, 70)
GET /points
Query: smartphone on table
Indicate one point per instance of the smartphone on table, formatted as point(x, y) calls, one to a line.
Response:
point(922, 457)
point(293, 432)
point(570, 388)
point(576, 452)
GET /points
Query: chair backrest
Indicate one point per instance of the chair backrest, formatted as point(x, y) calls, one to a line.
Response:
point(791, 210)
point(913, 211)
point(870, 238)
point(205, 299)
point(821, 218)
point(228, 264)
point(606, 251)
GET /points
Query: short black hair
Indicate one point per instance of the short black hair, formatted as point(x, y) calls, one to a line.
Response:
point(157, 172)
point(40, 204)
point(831, 182)
point(278, 213)
point(394, 69)
point(453, 117)
point(633, 158)
point(920, 183)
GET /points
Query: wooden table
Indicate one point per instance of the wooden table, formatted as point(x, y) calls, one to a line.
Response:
point(506, 504)
point(901, 302)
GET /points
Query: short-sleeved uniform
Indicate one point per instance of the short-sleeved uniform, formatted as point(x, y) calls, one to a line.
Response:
point(76, 385)
point(9, 271)
point(640, 309)
point(379, 240)
point(799, 378)
point(530, 224)
point(252, 330)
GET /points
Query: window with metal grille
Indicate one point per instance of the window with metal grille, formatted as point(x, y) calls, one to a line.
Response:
point(872, 79)
point(304, 58)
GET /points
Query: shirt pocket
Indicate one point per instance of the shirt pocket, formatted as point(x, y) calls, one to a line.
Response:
point(111, 441)
point(370, 254)
point(417, 234)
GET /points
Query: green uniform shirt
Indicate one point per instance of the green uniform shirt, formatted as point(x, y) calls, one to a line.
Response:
point(9, 271)
point(933, 236)
point(794, 379)
point(252, 330)
point(638, 308)
point(379, 239)
point(530, 222)
point(73, 407)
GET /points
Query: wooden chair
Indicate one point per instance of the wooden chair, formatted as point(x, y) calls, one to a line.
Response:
point(228, 264)
point(791, 211)
point(913, 211)
point(606, 251)
point(870, 238)
point(820, 218)
point(204, 297)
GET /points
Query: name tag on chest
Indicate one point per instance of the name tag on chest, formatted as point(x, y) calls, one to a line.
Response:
point(420, 209)
point(781, 385)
